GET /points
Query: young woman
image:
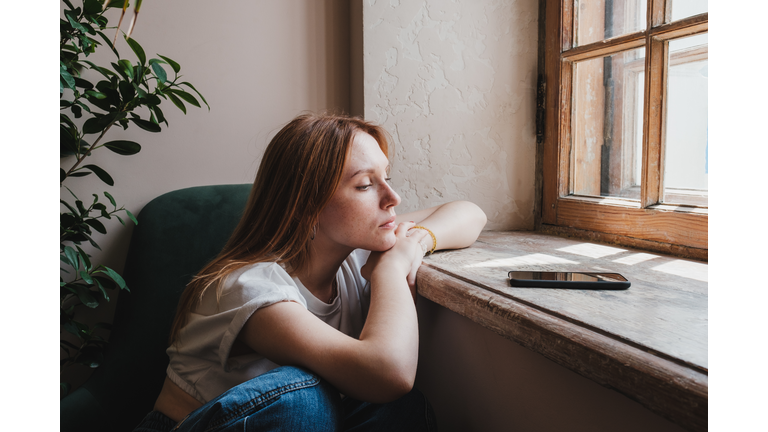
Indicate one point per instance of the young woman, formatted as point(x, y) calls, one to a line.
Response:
point(306, 319)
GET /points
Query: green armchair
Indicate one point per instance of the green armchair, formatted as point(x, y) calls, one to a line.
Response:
point(177, 234)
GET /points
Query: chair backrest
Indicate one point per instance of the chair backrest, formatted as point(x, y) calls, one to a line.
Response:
point(177, 234)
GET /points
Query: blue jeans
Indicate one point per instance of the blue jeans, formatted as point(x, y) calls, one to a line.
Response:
point(292, 399)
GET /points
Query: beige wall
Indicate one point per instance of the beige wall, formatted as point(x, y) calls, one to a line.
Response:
point(454, 83)
point(478, 381)
point(258, 63)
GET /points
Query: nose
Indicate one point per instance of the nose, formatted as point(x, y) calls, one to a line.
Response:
point(390, 198)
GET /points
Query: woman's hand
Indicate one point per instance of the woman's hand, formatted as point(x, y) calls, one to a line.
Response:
point(403, 258)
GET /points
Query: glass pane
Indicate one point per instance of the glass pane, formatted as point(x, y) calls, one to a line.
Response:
point(685, 8)
point(596, 20)
point(686, 163)
point(607, 125)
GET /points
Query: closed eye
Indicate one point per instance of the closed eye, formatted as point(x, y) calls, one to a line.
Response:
point(363, 188)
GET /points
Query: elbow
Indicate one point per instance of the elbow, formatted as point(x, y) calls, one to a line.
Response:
point(480, 218)
point(394, 377)
point(396, 385)
point(475, 216)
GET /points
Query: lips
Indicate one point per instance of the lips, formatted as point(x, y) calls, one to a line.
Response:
point(388, 224)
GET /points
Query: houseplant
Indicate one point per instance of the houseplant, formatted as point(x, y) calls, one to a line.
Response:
point(93, 99)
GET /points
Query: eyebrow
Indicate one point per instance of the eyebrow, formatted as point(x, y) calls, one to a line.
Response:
point(369, 170)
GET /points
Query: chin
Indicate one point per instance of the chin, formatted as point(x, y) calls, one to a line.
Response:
point(384, 244)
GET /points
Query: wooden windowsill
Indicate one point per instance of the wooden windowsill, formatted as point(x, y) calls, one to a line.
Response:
point(648, 342)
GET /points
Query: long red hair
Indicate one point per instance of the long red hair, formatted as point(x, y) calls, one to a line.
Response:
point(299, 174)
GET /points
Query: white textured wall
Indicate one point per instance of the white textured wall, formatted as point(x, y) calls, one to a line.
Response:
point(454, 83)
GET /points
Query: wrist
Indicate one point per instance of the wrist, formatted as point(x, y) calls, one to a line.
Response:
point(428, 243)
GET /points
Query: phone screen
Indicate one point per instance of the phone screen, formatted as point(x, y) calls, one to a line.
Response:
point(567, 276)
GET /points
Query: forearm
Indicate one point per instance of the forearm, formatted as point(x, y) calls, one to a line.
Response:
point(390, 334)
point(455, 225)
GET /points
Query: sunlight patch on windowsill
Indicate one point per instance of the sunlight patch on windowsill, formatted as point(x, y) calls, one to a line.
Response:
point(525, 260)
point(635, 258)
point(687, 269)
point(592, 250)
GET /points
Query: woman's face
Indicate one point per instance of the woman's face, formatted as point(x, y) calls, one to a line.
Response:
point(361, 213)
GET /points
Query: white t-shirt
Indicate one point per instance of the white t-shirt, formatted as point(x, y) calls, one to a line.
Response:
point(200, 364)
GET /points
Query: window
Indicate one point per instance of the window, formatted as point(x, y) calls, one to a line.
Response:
point(624, 153)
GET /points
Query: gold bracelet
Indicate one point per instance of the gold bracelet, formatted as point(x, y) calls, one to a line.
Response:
point(434, 239)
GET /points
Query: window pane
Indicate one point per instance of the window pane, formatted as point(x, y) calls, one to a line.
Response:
point(602, 19)
point(686, 168)
point(685, 8)
point(607, 121)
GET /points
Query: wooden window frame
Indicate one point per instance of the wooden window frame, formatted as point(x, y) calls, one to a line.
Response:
point(647, 223)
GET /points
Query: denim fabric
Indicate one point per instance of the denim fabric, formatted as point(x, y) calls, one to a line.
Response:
point(155, 421)
point(292, 399)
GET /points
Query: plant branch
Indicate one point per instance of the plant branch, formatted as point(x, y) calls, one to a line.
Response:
point(81, 156)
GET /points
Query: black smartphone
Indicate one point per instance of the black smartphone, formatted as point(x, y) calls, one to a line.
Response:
point(572, 280)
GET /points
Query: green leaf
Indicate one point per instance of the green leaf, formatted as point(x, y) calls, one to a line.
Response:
point(127, 91)
point(91, 7)
point(89, 29)
point(109, 197)
point(127, 68)
point(95, 94)
point(92, 126)
point(103, 175)
point(159, 114)
point(152, 100)
point(122, 147)
point(81, 208)
point(105, 282)
point(100, 122)
point(137, 50)
point(117, 4)
point(174, 65)
point(186, 96)
point(75, 24)
point(79, 82)
point(71, 209)
point(93, 243)
point(98, 226)
point(159, 71)
point(109, 43)
point(146, 125)
point(177, 102)
point(102, 289)
point(84, 257)
point(85, 297)
point(86, 277)
point(198, 93)
point(104, 71)
point(83, 106)
point(133, 218)
point(72, 256)
point(115, 277)
point(68, 79)
point(62, 175)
